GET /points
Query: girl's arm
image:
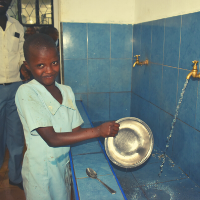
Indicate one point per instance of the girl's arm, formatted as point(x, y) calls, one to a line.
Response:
point(53, 139)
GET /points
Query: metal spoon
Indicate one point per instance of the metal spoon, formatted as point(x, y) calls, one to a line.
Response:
point(92, 174)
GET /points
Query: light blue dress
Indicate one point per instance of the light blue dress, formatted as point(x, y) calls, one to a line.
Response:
point(44, 170)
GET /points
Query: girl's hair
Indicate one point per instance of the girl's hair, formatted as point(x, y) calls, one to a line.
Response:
point(37, 41)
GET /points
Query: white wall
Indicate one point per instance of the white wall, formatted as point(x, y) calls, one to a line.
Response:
point(97, 11)
point(148, 10)
point(120, 11)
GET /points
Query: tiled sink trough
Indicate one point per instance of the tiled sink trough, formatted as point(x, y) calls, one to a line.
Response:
point(141, 183)
point(90, 154)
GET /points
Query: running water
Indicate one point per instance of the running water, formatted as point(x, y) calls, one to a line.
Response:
point(172, 126)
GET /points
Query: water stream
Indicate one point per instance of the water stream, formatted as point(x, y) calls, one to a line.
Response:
point(172, 126)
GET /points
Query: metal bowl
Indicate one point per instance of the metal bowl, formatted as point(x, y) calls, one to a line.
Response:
point(133, 144)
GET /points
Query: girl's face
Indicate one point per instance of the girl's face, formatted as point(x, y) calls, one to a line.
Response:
point(44, 65)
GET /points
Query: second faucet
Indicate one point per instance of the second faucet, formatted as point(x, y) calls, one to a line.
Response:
point(146, 62)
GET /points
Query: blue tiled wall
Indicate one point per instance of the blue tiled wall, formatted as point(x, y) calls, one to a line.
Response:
point(98, 67)
point(171, 45)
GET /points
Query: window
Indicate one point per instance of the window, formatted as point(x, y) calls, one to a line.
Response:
point(32, 12)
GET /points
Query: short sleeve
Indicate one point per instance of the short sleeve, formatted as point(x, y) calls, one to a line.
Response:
point(32, 108)
point(77, 119)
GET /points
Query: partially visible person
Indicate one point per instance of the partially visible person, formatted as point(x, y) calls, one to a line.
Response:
point(29, 31)
point(52, 32)
point(11, 56)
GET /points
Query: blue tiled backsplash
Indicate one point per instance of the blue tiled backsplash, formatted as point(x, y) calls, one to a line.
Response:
point(98, 67)
point(98, 62)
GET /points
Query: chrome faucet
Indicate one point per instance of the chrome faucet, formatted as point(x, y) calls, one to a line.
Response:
point(146, 62)
point(194, 71)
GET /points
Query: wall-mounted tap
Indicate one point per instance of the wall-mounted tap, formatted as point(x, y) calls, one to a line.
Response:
point(146, 62)
point(194, 71)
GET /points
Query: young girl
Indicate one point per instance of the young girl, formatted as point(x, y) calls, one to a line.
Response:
point(51, 122)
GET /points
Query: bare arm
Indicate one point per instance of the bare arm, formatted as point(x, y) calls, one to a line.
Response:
point(53, 139)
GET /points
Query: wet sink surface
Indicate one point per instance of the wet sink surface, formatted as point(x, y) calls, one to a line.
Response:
point(143, 182)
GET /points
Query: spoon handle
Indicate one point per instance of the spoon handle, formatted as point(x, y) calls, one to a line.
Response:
point(109, 189)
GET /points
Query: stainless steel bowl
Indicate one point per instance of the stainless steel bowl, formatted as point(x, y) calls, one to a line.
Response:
point(133, 144)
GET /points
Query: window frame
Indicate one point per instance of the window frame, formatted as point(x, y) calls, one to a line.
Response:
point(37, 24)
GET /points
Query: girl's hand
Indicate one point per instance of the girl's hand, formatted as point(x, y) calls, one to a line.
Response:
point(108, 129)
